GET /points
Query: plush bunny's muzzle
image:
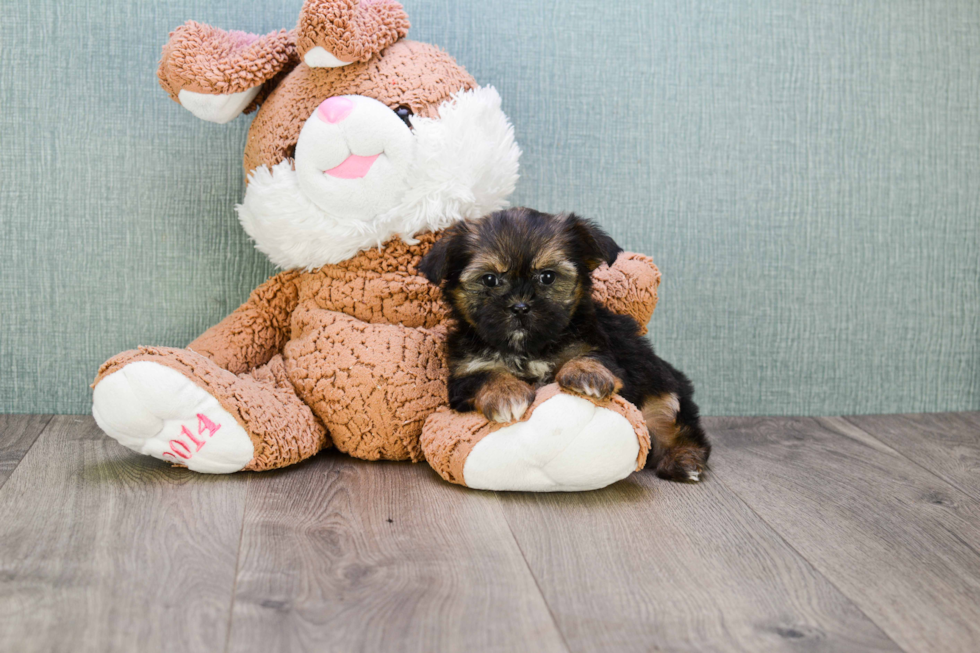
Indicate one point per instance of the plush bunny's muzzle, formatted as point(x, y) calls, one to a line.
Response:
point(352, 157)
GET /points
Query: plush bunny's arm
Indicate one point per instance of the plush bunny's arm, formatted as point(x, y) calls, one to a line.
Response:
point(217, 75)
point(628, 287)
point(256, 331)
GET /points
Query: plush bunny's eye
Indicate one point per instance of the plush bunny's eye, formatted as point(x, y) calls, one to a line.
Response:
point(490, 280)
point(405, 114)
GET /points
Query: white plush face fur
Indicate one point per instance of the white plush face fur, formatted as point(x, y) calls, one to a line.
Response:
point(460, 166)
point(369, 129)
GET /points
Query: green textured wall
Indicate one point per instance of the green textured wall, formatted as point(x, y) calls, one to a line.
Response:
point(806, 174)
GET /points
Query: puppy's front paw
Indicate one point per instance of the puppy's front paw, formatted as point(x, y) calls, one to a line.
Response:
point(588, 376)
point(504, 398)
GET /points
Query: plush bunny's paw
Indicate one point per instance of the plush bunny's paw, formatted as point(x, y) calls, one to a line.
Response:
point(157, 411)
point(565, 443)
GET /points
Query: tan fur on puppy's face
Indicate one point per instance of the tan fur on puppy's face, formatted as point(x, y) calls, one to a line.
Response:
point(504, 398)
point(467, 295)
point(588, 376)
point(567, 287)
point(504, 258)
point(517, 260)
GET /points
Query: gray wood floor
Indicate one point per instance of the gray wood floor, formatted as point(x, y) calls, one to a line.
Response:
point(832, 534)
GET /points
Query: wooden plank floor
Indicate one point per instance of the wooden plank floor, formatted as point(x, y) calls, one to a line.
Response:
point(856, 534)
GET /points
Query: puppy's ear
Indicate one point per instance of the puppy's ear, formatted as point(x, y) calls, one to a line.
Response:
point(597, 246)
point(445, 254)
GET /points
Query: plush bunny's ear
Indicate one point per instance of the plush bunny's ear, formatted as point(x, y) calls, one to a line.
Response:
point(217, 75)
point(333, 33)
point(597, 246)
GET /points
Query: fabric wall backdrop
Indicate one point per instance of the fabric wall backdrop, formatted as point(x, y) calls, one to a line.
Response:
point(806, 175)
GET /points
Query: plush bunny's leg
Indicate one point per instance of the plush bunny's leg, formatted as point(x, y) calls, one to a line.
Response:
point(563, 443)
point(178, 406)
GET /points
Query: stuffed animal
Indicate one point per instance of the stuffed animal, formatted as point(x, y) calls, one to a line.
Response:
point(364, 146)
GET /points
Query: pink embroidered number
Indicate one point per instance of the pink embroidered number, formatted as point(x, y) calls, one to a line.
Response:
point(184, 450)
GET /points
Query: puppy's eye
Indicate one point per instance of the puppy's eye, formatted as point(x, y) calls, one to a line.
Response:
point(547, 277)
point(490, 280)
point(405, 114)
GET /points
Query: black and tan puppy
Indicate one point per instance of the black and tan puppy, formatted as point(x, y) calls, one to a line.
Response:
point(519, 283)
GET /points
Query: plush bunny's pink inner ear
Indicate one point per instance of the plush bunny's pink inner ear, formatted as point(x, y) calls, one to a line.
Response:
point(204, 67)
point(333, 33)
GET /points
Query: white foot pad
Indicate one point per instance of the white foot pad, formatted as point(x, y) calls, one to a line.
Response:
point(157, 411)
point(568, 444)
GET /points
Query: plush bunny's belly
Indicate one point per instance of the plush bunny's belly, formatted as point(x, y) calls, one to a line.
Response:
point(372, 385)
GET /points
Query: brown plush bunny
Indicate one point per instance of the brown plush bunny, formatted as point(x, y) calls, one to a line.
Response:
point(364, 147)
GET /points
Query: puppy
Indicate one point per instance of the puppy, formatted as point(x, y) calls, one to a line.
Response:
point(519, 286)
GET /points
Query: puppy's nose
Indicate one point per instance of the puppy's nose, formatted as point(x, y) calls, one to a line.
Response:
point(520, 308)
point(334, 109)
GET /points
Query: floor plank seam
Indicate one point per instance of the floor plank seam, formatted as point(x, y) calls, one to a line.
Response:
point(530, 572)
point(44, 428)
point(803, 557)
point(238, 565)
point(950, 482)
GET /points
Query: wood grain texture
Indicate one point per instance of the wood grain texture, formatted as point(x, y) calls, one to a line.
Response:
point(347, 555)
point(897, 540)
point(810, 534)
point(947, 444)
point(102, 549)
point(647, 565)
point(17, 434)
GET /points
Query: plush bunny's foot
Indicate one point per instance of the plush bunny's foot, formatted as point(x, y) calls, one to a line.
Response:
point(565, 443)
point(568, 444)
point(179, 406)
point(157, 411)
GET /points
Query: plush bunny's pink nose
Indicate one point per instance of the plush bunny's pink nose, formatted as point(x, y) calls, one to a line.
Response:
point(334, 109)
